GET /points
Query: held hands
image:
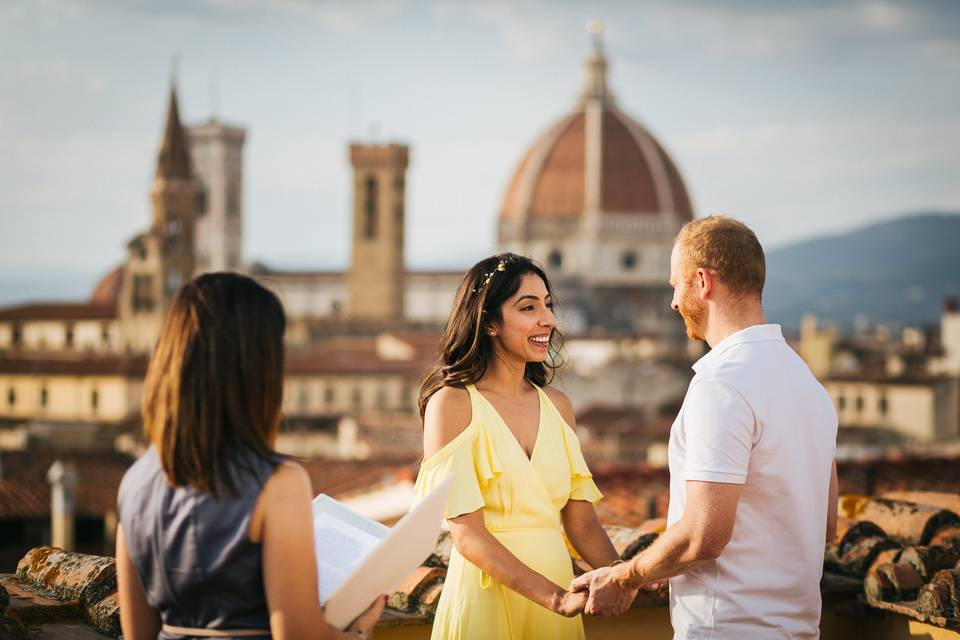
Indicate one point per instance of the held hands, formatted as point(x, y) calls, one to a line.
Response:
point(569, 603)
point(607, 592)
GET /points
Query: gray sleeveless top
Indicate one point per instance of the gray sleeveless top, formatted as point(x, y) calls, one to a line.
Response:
point(192, 552)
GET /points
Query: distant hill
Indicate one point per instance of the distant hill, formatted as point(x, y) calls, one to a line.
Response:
point(894, 273)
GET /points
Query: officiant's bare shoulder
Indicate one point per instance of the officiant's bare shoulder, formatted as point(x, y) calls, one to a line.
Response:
point(447, 414)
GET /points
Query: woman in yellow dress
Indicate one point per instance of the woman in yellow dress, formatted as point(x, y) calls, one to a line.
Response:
point(519, 479)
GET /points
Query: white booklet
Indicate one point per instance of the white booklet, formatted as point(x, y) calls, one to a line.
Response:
point(359, 559)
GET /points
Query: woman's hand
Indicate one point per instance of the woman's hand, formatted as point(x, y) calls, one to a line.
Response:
point(570, 604)
point(367, 620)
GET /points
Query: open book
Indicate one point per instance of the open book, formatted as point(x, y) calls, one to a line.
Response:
point(359, 559)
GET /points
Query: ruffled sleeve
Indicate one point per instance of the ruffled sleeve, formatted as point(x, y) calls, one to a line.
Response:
point(472, 462)
point(582, 486)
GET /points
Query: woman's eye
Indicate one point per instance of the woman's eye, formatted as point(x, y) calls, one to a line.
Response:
point(527, 308)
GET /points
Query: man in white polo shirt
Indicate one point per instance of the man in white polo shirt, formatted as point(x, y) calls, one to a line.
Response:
point(753, 486)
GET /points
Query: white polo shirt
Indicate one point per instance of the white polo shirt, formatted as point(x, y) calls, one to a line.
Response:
point(755, 415)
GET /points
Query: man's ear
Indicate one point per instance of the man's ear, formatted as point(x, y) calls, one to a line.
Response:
point(704, 282)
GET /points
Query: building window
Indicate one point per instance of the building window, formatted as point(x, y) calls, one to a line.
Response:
point(304, 398)
point(233, 202)
point(94, 400)
point(628, 260)
point(142, 252)
point(17, 337)
point(859, 404)
point(44, 396)
point(11, 396)
point(329, 395)
point(142, 293)
point(201, 201)
point(68, 337)
point(381, 398)
point(370, 209)
point(883, 405)
point(105, 335)
point(555, 259)
point(174, 227)
point(357, 397)
point(841, 402)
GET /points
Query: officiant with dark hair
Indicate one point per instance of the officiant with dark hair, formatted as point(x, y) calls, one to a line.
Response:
point(215, 535)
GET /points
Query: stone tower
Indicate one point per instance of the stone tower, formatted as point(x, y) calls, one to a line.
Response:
point(216, 151)
point(376, 279)
point(161, 259)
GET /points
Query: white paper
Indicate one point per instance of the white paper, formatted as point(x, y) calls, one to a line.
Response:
point(341, 547)
point(400, 551)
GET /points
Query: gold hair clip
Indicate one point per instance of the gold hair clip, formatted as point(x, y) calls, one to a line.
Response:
point(500, 267)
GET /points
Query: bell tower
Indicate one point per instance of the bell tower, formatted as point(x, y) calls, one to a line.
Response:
point(162, 258)
point(377, 277)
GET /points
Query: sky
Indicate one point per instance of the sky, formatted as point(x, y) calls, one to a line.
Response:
point(801, 119)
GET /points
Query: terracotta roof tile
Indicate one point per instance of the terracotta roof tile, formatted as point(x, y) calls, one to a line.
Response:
point(908, 522)
point(60, 311)
point(25, 493)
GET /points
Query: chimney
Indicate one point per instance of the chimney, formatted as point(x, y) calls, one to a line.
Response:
point(62, 477)
point(950, 304)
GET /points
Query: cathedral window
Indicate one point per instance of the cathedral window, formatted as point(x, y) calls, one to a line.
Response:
point(628, 260)
point(555, 259)
point(370, 209)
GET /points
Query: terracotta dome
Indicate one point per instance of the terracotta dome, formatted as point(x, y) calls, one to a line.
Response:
point(596, 159)
point(107, 290)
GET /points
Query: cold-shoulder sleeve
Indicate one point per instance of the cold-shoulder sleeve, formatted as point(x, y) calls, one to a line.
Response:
point(472, 462)
point(582, 486)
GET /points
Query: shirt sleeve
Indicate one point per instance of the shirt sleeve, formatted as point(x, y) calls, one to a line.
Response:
point(719, 427)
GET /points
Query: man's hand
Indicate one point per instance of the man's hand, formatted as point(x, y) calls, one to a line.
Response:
point(609, 596)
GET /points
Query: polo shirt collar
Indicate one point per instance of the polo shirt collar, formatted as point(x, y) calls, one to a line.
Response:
point(755, 333)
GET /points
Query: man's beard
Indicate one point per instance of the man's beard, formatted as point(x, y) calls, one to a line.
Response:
point(694, 314)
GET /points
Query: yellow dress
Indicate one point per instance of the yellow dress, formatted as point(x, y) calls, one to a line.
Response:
point(521, 499)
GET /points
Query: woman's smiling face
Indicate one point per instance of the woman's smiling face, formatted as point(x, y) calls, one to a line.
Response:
point(527, 321)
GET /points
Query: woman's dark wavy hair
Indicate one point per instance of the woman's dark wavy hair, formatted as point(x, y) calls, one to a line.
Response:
point(465, 348)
